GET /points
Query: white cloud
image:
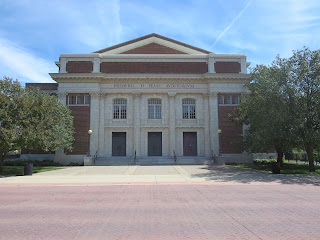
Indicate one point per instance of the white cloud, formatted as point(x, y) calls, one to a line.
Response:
point(20, 63)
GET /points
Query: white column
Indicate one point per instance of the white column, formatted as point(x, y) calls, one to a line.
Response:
point(94, 122)
point(59, 154)
point(172, 123)
point(63, 65)
point(214, 122)
point(101, 150)
point(136, 122)
point(211, 61)
point(96, 65)
point(243, 65)
point(207, 145)
point(62, 97)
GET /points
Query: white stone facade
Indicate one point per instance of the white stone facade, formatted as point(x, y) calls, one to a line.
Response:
point(138, 88)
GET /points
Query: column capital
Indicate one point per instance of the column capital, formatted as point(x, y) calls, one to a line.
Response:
point(136, 94)
point(206, 95)
point(102, 94)
point(62, 94)
point(213, 94)
point(95, 94)
point(172, 94)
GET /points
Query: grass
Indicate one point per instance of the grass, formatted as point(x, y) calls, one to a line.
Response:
point(19, 170)
point(287, 168)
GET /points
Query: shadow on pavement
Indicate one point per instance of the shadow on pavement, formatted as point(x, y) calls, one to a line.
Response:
point(245, 175)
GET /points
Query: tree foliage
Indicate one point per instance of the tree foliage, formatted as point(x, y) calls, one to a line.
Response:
point(267, 109)
point(33, 120)
point(283, 107)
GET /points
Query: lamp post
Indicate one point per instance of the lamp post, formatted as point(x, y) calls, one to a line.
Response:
point(89, 132)
point(219, 133)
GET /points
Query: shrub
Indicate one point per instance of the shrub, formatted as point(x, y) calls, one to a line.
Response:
point(264, 161)
point(36, 163)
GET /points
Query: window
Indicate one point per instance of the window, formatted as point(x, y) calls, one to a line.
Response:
point(154, 108)
point(228, 100)
point(120, 109)
point(188, 108)
point(221, 99)
point(236, 100)
point(78, 99)
point(86, 99)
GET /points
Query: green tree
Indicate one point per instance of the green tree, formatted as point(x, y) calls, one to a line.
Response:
point(33, 120)
point(267, 109)
point(305, 78)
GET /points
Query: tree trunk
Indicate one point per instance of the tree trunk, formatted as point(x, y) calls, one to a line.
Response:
point(280, 158)
point(3, 156)
point(309, 150)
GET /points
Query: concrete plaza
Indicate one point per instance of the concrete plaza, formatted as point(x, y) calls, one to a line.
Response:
point(163, 202)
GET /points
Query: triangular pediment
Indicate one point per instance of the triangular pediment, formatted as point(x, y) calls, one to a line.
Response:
point(153, 44)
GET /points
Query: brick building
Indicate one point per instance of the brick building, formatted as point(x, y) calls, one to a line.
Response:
point(151, 99)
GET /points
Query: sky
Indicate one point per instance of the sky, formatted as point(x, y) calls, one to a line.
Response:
point(33, 33)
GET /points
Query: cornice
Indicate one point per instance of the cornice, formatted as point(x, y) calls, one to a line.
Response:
point(90, 77)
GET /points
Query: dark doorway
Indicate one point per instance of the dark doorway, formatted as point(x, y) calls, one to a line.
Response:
point(154, 144)
point(189, 144)
point(118, 144)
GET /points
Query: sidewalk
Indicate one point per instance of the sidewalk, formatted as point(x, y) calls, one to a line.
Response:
point(145, 175)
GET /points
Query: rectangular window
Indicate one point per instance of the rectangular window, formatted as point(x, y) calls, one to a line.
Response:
point(236, 100)
point(79, 99)
point(154, 109)
point(120, 109)
point(188, 108)
point(221, 99)
point(228, 100)
point(86, 99)
point(71, 100)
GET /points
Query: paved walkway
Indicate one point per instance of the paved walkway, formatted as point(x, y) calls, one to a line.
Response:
point(159, 202)
point(101, 175)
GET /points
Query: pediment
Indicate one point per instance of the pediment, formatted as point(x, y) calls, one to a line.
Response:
point(153, 44)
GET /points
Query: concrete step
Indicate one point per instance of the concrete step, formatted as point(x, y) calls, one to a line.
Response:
point(113, 161)
point(147, 161)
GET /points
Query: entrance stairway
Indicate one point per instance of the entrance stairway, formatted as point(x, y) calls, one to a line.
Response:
point(149, 161)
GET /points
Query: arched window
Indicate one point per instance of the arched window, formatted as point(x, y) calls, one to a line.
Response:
point(120, 108)
point(188, 108)
point(154, 108)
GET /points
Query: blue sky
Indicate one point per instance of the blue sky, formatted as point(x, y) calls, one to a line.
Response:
point(33, 33)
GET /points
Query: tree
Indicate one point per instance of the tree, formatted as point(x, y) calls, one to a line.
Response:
point(305, 78)
point(268, 110)
point(33, 120)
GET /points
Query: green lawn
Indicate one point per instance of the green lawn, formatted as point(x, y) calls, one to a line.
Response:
point(19, 170)
point(287, 168)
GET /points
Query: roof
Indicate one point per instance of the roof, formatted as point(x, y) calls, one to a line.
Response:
point(150, 36)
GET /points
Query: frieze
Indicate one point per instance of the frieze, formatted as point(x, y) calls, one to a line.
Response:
point(156, 86)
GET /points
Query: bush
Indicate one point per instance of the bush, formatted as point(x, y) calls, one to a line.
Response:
point(264, 161)
point(75, 164)
point(36, 163)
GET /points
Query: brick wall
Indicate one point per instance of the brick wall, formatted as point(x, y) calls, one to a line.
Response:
point(227, 67)
point(154, 67)
point(42, 86)
point(153, 48)
point(79, 67)
point(81, 123)
point(231, 134)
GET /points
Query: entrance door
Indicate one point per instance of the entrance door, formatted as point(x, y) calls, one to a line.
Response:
point(154, 144)
point(118, 144)
point(189, 144)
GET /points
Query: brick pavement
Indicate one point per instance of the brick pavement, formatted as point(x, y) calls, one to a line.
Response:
point(242, 211)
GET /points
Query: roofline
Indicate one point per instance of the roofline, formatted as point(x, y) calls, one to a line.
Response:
point(149, 36)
